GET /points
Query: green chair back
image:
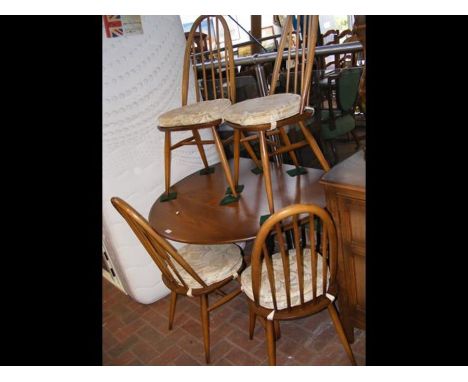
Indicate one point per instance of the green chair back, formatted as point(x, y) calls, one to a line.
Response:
point(347, 88)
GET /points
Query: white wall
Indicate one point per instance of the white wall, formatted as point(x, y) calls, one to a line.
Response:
point(142, 77)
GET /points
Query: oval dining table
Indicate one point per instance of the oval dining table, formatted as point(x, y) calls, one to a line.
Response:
point(196, 216)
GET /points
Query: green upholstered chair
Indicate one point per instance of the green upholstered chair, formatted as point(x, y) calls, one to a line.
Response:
point(338, 119)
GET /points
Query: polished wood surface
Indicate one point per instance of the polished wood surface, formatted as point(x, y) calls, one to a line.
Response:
point(165, 256)
point(346, 200)
point(197, 217)
point(350, 173)
point(283, 225)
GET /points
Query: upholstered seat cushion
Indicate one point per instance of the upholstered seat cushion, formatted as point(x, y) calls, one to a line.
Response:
point(262, 110)
point(212, 263)
point(343, 124)
point(196, 113)
point(266, 298)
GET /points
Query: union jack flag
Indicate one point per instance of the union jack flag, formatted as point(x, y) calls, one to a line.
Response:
point(113, 26)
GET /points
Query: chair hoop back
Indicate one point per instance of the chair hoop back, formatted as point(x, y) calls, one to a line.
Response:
point(209, 45)
point(161, 251)
point(299, 36)
point(321, 242)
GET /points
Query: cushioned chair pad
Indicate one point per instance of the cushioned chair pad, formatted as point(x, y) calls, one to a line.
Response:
point(258, 111)
point(196, 113)
point(212, 263)
point(266, 298)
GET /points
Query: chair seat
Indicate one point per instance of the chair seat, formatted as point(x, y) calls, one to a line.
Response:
point(266, 298)
point(258, 111)
point(212, 263)
point(194, 114)
point(343, 124)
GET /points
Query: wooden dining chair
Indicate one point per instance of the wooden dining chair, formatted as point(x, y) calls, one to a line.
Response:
point(268, 116)
point(210, 58)
point(193, 270)
point(293, 282)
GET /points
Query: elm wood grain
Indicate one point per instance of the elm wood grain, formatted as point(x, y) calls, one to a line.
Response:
point(202, 220)
point(346, 200)
point(303, 37)
point(165, 256)
point(261, 259)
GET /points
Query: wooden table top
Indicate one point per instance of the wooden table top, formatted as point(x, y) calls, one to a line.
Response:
point(350, 173)
point(196, 216)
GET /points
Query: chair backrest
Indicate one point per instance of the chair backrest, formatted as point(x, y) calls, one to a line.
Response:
point(298, 36)
point(344, 36)
point(348, 59)
point(291, 220)
point(161, 251)
point(337, 37)
point(334, 35)
point(347, 88)
point(331, 36)
point(215, 56)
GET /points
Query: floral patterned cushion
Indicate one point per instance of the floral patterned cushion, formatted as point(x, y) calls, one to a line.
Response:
point(212, 263)
point(266, 298)
point(201, 112)
point(262, 110)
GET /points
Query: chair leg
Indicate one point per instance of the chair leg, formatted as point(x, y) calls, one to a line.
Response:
point(314, 146)
point(237, 137)
point(277, 330)
point(356, 139)
point(224, 162)
point(333, 149)
point(252, 318)
point(201, 150)
point(172, 308)
point(341, 334)
point(250, 151)
point(271, 345)
point(287, 142)
point(167, 160)
point(206, 325)
point(266, 170)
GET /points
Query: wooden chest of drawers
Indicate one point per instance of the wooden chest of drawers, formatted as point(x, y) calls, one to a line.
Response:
point(346, 201)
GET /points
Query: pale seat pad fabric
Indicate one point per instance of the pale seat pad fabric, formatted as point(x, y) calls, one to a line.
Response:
point(212, 263)
point(269, 109)
point(266, 298)
point(196, 113)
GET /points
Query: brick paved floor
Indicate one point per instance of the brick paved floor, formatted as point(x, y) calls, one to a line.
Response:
point(137, 334)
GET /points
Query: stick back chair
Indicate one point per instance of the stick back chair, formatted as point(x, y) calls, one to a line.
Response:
point(268, 116)
point(295, 282)
point(193, 270)
point(215, 90)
